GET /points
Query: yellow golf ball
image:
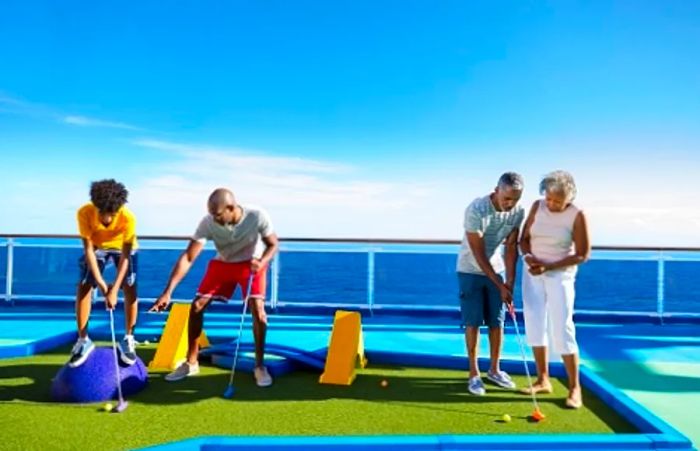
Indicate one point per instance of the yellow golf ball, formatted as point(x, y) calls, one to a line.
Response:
point(107, 407)
point(506, 418)
point(384, 383)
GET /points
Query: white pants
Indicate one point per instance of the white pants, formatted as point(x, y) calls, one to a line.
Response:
point(548, 306)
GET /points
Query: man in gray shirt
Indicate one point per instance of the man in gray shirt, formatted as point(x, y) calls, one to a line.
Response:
point(245, 243)
point(489, 222)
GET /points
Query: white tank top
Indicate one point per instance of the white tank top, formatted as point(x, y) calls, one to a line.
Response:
point(552, 234)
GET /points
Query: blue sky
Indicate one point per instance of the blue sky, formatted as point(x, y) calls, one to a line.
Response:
point(351, 119)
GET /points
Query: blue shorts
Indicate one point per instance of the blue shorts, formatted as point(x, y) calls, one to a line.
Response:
point(103, 259)
point(480, 301)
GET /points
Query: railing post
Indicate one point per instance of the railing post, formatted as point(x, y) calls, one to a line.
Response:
point(660, 287)
point(370, 279)
point(274, 281)
point(9, 270)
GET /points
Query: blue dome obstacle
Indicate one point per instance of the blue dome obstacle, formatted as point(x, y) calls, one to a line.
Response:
point(95, 380)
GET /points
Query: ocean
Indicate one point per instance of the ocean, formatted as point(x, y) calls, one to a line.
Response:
point(337, 273)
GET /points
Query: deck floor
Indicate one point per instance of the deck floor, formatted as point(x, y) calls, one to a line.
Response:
point(657, 365)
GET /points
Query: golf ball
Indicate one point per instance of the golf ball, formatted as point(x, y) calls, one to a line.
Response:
point(107, 407)
point(147, 342)
point(506, 418)
point(384, 383)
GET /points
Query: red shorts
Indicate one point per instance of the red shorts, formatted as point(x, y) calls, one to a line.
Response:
point(221, 279)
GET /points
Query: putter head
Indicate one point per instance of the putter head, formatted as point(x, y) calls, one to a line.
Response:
point(120, 407)
point(228, 393)
point(537, 415)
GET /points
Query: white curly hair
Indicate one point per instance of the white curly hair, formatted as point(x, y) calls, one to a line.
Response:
point(561, 182)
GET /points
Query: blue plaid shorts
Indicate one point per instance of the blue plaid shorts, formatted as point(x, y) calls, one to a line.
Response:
point(104, 257)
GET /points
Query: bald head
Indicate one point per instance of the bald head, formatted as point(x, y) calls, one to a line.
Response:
point(222, 207)
point(220, 198)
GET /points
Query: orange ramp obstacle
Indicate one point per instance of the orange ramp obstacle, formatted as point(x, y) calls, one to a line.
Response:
point(172, 348)
point(346, 349)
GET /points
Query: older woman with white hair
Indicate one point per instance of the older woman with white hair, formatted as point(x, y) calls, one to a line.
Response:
point(554, 242)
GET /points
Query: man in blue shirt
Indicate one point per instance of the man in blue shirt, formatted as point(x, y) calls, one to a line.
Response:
point(489, 222)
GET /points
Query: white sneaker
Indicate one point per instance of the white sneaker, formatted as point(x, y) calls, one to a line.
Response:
point(262, 377)
point(127, 350)
point(476, 386)
point(80, 352)
point(501, 378)
point(183, 371)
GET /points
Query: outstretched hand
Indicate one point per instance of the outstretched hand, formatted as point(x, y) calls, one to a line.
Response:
point(161, 304)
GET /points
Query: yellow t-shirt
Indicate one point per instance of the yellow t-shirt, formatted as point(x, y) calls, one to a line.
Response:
point(121, 230)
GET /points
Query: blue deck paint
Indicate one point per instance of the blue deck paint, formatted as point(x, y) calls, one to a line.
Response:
point(428, 342)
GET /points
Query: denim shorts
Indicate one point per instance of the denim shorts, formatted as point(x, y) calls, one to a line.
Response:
point(480, 301)
point(103, 258)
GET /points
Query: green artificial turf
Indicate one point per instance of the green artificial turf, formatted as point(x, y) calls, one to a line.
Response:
point(416, 401)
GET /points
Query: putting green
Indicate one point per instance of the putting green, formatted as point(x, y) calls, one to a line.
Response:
point(415, 401)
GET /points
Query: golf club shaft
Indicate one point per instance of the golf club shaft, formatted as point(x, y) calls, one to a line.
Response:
point(522, 353)
point(240, 328)
point(116, 360)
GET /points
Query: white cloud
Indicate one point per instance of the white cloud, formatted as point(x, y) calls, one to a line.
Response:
point(305, 197)
point(17, 106)
point(83, 121)
point(13, 105)
point(323, 198)
point(41, 205)
point(634, 225)
point(234, 156)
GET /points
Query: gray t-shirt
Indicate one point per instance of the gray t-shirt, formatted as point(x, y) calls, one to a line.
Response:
point(240, 242)
point(494, 226)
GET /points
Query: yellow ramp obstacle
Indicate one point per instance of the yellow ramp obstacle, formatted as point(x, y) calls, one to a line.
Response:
point(346, 350)
point(172, 348)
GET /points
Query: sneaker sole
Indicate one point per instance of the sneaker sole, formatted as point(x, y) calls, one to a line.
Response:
point(126, 360)
point(179, 378)
point(82, 360)
point(501, 384)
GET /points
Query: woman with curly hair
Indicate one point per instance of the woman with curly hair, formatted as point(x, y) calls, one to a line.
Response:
point(108, 231)
point(554, 242)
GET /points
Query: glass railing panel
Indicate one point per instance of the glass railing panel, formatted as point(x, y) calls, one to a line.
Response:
point(410, 279)
point(45, 270)
point(154, 270)
point(617, 285)
point(323, 277)
point(682, 284)
point(3, 268)
point(410, 274)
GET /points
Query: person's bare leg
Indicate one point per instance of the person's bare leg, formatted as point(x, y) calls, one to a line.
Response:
point(472, 340)
point(194, 329)
point(571, 363)
point(83, 306)
point(495, 339)
point(257, 306)
point(542, 384)
point(131, 308)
